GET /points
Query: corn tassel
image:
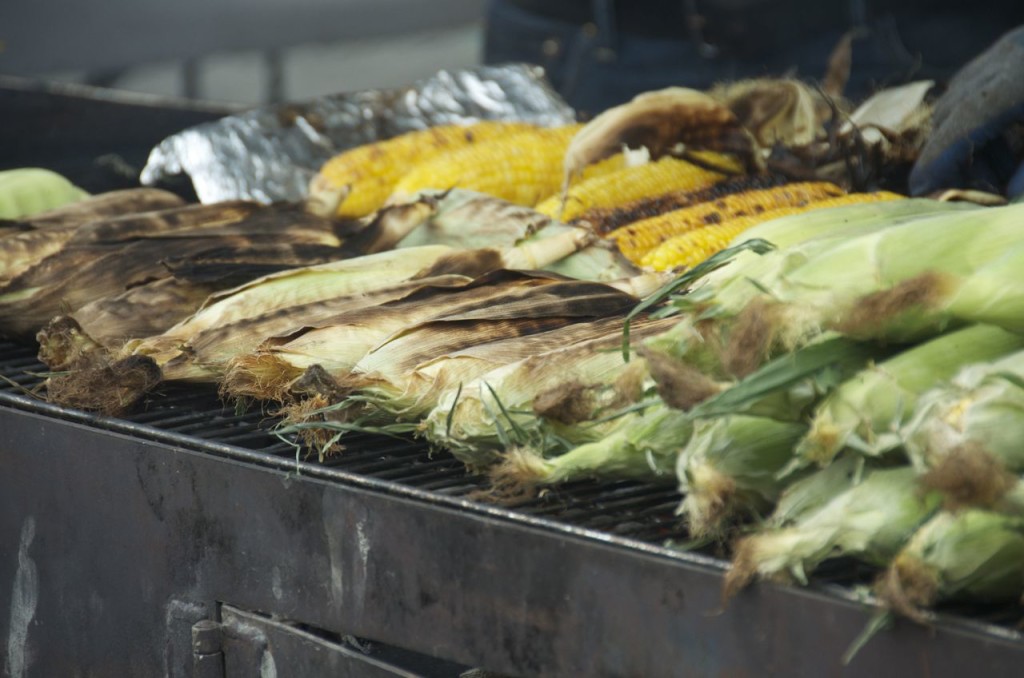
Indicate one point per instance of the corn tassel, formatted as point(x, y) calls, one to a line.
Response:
point(358, 181)
point(641, 237)
point(626, 185)
point(693, 247)
point(522, 168)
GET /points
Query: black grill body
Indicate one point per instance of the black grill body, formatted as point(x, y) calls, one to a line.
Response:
point(125, 538)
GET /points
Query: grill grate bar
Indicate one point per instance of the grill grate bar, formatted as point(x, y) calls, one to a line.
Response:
point(459, 487)
point(27, 363)
point(411, 473)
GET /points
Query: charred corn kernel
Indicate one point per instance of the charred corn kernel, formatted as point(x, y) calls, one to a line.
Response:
point(521, 168)
point(724, 162)
point(693, 247)
point(357, 182)
point(639, 238)
point(626, 185)
point(604, 220)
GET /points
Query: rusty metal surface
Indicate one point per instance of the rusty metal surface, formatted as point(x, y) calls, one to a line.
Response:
point(115, 527)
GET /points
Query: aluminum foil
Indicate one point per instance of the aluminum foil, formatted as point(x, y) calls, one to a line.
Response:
point(271, 153)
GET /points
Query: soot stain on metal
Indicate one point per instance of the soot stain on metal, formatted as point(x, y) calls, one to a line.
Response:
point(154, 497)
point(24, 599)
point(202, 533)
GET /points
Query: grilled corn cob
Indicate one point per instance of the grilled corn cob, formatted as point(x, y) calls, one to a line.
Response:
point(604, 220)
point(357, 182)
point(693, 247)
point(522, 168)
point(639, 238)
point(626, 185)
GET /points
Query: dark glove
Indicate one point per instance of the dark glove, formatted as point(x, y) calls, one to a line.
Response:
point(969, 145)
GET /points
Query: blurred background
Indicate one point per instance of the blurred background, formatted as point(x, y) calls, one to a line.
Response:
point(238, 51)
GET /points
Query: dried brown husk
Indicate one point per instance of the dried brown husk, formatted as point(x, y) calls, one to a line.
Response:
point(511, 314)
point(34, 251)
point(206, 356)
point(873, 147)
point(108, 388)
point(141, 311)
point(660, 121)
point(776, 110)
point(95, 207)
point(101, 261)
point(254, 354)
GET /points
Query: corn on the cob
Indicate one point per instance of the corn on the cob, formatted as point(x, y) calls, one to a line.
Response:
point(553, 391)
point(357, 182)
point(864, 412)
point(639, 238)
point(693, 247)
point(522, 168)
point(977, 414)
point(604, 220)
point(870, 520)
point(30, 190)
point(626, 185)
point(967, 555)
point(729, 468)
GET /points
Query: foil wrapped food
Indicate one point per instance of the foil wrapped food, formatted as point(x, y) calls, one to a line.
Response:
point(271, 153)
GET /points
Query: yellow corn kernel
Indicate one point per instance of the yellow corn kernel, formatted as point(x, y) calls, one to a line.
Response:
point(357, 182)
point(626, 185)
point(604, 220)
point(693, 247)
point(729, 164)
point(520, 168)
point(637, 239)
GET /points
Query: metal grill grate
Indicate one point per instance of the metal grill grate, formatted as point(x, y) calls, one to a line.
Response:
point(632, 510)
point(628, 512)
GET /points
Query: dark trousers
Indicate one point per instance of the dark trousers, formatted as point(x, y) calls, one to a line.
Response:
point(594, 65)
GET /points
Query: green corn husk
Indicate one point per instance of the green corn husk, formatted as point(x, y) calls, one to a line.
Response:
point(801, 237)
point(865, 412)
point(870, 521)
point(31, 190)
point(749, 276)
point(729, 469)
point(965, 435)
point(981, 404)
point(811, 492)
point(972, 555)
point(640, 445)
point(903, 283)
point(560, 392)
point(713, 340)
point(790, 386)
